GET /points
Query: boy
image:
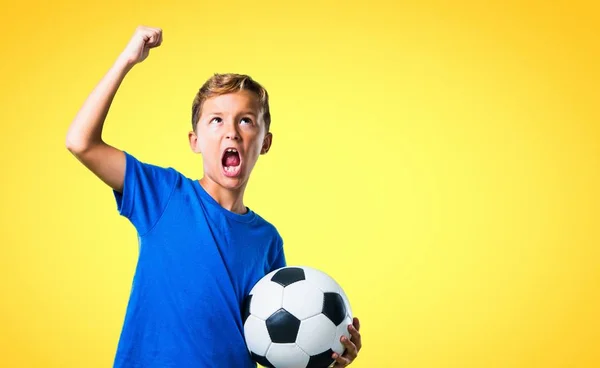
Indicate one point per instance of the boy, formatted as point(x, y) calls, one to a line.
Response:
point(201, 249)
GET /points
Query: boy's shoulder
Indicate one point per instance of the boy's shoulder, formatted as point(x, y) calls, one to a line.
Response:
point(267, 224)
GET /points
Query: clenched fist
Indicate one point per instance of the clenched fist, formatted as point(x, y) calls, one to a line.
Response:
point(144, 39)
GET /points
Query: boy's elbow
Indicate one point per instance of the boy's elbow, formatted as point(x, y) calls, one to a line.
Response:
point(77, 145)
point(74, 145)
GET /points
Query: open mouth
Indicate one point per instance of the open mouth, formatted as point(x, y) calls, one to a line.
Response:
point(231, 161)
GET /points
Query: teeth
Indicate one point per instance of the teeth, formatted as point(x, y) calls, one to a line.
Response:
point(231, 150)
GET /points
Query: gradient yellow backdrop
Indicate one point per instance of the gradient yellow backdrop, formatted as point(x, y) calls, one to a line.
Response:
point(440, 159)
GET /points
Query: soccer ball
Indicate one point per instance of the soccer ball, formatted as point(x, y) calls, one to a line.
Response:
point(294, 317)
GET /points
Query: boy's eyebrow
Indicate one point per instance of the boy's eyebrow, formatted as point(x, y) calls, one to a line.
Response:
point(249, 112)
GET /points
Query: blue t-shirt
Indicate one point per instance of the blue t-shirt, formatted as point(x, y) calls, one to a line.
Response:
point(197, 262)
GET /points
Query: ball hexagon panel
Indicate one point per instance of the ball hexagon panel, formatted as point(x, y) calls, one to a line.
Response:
point(270, 295)
point(257, 335)
point(316, 334)
point(287, 356)
point(303, 299)
point(321, 280)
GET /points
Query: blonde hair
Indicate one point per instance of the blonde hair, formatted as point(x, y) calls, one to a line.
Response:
point(221, 84)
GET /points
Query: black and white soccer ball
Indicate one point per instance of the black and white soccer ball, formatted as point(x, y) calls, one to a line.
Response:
point(294, 317)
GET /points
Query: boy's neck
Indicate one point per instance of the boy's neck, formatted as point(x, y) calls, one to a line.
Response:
point(231, 200)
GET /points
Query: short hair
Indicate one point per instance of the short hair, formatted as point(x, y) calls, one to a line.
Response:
point(221, 84)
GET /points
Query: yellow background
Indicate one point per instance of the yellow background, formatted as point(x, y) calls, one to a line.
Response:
point(441, 160)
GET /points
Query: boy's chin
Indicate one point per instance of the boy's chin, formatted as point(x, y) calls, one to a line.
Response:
point(232, 181)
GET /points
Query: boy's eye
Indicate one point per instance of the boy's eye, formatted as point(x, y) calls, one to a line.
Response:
point(247, 120)
point(215, 120)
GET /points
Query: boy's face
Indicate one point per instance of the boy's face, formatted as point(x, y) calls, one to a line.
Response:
point(230, 135)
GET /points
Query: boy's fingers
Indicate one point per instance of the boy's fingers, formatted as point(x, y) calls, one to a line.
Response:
point(340, 361)
point(351, 348)
point(356, 338)
point(356, 323)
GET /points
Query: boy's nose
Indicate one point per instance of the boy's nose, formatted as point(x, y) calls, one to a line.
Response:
point(231, 131)
point(232, 134)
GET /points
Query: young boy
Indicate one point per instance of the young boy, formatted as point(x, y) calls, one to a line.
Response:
point(201, 249)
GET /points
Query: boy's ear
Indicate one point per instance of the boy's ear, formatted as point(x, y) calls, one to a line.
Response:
point(266, 143)
point(193, 138)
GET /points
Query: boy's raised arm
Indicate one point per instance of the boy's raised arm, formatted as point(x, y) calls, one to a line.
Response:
point(84, 138)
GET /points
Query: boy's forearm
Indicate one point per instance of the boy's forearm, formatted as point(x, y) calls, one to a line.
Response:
point(86, 128)
point(84, 137)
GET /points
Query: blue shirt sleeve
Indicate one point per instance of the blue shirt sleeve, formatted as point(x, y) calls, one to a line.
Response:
point(146, 192)
point(279, 259)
